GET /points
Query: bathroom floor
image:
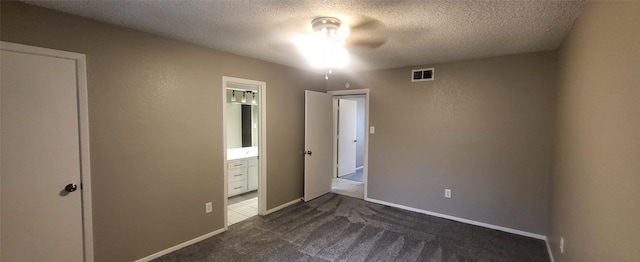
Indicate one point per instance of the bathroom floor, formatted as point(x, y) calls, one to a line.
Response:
point(241, 207)
point(239, 198)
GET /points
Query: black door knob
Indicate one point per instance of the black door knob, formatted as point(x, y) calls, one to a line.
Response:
point(71, 187)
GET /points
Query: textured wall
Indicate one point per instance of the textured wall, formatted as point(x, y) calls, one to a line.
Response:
point(596, 193)
point(155, 115)
point(482, 128)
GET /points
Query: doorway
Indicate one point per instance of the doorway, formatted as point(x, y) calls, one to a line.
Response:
point(350, 136)
point(321, 147)
point(245, 154)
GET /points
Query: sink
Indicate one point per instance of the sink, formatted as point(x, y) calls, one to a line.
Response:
point(243, 152)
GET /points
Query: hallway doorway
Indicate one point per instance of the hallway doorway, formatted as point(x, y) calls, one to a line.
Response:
point(350, 142)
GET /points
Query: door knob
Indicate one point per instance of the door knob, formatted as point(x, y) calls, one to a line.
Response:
point(71, 187)
point(355, 141)
point(307, 152)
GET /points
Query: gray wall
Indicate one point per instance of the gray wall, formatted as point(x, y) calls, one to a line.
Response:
point(155, 115)
point(596, 193)
point(482, 128)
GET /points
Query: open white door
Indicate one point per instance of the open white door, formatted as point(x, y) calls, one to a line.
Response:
point(347, 115)
point(318, 127)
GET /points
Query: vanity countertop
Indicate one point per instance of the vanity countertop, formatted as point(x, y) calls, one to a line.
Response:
point(244, 152)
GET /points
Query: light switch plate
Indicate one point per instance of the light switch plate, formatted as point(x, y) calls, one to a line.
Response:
point(372, 130)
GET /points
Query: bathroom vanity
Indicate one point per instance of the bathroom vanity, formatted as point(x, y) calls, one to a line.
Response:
point(242, 164)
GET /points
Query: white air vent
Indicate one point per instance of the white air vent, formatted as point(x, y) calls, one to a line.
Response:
point(425, 74)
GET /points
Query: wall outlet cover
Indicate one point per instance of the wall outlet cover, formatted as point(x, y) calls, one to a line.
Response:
point(208, 207)
point(447, 193)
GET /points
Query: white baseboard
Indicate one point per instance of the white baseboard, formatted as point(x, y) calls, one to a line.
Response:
point(463, 220)
point(282, 206)
point(360, 167)
point(546, 241)
point(179, 246)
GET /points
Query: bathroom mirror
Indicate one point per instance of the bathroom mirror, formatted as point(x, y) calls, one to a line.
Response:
point(242, 118)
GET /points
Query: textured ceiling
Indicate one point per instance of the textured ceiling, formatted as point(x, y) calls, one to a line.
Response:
point(418, 32)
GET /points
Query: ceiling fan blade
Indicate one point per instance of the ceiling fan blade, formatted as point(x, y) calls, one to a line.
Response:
point(366, 23)
point(367, 32)
point(371, 43)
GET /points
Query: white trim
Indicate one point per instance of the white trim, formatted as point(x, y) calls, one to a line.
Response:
point(225, 187)
point(335, 104)
point(27, 49)
point(83, 126)
point(278, 208)
point(262, 155)
point(360, 167)
point(546, 241)
point(365, 92)
point(463, 220)
point(181, 245)
point(262, 142)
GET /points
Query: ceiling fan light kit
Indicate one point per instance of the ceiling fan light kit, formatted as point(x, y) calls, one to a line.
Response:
point(330, 28)
point(324, 47)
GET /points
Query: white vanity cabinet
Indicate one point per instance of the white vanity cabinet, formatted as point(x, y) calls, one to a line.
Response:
point(243, 175)
point(252, 166)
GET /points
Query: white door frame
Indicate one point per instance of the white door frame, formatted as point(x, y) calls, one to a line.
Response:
point(262, 142)
point(83, 119)
point(346, 93)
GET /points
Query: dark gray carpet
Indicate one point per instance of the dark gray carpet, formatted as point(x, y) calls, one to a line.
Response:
point(356, 176)
point(340, 228)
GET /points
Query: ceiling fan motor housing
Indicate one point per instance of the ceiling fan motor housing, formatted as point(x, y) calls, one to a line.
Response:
point(325, 24)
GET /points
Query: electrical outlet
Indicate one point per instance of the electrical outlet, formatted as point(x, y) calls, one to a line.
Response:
point(447, 193)
point(561, 245)
point(208, 207)
point(372, 130)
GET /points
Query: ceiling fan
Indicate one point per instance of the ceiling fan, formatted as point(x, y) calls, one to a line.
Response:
point(326, 45)
point(361, 32)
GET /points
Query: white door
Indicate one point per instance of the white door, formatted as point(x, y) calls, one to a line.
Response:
point(318, 126)
point(40, 156)
point(347, 115)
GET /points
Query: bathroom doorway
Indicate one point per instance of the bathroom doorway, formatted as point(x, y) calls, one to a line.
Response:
point(245, 154)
